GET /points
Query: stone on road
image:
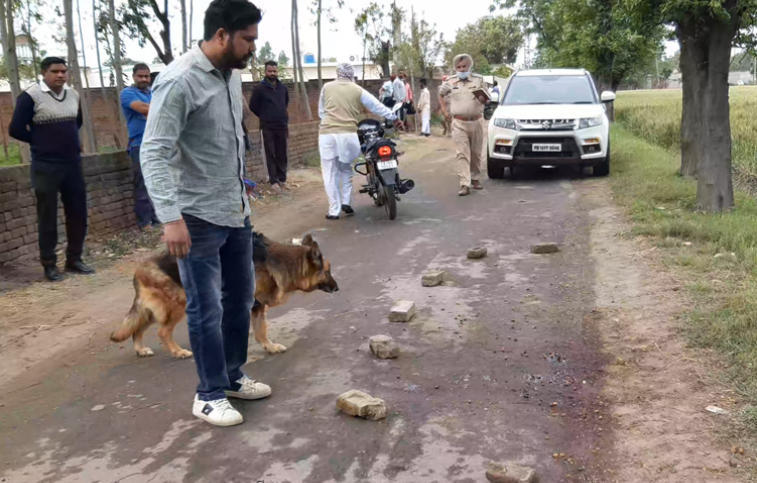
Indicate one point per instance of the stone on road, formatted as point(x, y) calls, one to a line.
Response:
point(357, 403)
point(545, 248)
point(437, 277)
point(511, 473)
point(477, 253)
point(384, 347)
point(402, 311)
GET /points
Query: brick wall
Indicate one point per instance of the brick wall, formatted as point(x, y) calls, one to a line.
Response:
point(109, 197)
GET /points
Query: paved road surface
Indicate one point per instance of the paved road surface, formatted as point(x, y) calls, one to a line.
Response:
point(500, 368)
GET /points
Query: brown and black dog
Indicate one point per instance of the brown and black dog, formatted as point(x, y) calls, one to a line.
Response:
point(280, 270)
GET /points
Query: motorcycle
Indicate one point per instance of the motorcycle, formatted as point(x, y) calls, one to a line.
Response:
point(381, 165)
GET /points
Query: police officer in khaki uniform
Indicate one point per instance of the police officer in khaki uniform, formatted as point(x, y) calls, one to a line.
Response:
point(466, 111)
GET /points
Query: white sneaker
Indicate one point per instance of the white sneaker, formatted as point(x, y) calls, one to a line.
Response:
point(219, 412)
point(250, 389)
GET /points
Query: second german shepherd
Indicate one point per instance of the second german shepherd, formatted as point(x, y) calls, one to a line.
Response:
point(280, 270)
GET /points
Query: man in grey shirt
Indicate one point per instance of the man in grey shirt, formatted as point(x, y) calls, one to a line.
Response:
point(193, 164)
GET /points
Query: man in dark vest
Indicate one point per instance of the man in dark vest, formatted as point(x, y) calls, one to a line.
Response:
point(269, 102)
point(48, 117)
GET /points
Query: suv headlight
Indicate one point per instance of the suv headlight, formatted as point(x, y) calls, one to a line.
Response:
point(589, 122)
point(505, 123)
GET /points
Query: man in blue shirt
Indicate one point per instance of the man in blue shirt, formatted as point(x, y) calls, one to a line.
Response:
point(135, 101)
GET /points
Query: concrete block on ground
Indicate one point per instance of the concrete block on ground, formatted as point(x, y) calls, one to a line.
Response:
point(477, 253)
point(402, 311)
point(384, 347)
point(360, 404)
point(511, 473)
point(545, 248)
point(437, 277)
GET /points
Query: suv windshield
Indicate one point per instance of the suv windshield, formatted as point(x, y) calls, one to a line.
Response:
point(549, 89)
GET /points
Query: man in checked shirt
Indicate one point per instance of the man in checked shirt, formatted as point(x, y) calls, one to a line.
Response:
point(193, 164)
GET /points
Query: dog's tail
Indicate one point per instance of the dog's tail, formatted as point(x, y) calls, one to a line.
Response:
point(134, 320)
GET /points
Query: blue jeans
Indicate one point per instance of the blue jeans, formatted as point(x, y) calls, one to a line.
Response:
point(219, 280)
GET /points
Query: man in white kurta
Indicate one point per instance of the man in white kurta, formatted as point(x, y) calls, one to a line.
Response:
point(341, 104)
point(424, 105)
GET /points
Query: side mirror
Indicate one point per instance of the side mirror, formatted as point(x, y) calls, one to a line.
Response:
point(608, 96)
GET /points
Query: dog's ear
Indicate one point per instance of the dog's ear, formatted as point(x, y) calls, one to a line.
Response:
point(314, 254)
point(307, 240)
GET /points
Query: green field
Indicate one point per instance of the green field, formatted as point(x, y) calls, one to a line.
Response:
point(655, 116)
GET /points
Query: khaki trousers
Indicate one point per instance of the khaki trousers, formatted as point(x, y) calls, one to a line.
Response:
point(468, 137)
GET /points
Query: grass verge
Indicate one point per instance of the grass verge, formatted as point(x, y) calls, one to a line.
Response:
point(716, 254)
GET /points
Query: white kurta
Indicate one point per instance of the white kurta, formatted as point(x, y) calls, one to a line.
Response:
point(424, 105)
point(338, 151)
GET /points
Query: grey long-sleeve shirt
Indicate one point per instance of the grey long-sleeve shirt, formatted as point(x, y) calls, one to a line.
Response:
point(192, 153)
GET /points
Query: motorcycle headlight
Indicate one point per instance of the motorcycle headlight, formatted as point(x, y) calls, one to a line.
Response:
point(505, 123)
point(589, 122)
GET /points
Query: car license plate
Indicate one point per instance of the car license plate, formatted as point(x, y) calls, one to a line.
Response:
point(546, 148)
point(382, 165)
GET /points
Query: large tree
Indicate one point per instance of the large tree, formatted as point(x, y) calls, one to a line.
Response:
point(370, 25)
point(138, 14)
point(420, 48)
point(491, 40)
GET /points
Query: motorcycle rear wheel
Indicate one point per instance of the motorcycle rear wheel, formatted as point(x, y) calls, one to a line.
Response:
point(391, 202)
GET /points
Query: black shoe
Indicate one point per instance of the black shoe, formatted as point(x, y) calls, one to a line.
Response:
point(347, 209)
point(79, 267)
point(52, 273)
point(329, 217)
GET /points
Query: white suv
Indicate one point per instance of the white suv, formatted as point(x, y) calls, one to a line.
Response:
point(549, 118)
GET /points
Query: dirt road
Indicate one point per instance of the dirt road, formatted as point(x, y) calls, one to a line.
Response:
point(506, 366)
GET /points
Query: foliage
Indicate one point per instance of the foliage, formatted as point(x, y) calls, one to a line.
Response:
point(656, 117)
point(137, 15)
point(104, 35)
point(491, 40)
point(743, 62)
point(370, 26)
point(419, 50)
point(600, 36)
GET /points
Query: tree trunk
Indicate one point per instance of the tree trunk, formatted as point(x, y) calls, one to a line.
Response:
point(691, 136)
point(184, 41)
point(8, 39)
point(87, 99)
point(294, 67)
point(75, 73)
point(32, 42)
point(364, 49)
point(304, 92)
point(190, 41)
point(116, 50)
point(713, 47)
point(103, 91)
point(320, 53)
point(386, 48)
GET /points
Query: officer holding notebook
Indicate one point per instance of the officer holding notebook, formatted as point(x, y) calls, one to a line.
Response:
point(468, 96)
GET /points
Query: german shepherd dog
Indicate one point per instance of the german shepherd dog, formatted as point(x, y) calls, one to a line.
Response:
point(280, 270)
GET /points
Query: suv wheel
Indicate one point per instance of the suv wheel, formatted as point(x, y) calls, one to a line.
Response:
point(603, 168)
point(495, 167)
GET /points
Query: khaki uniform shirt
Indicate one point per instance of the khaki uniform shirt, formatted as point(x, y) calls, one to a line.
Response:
point(462, 102)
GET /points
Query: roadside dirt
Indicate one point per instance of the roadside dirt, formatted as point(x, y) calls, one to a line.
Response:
point(656, 389)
